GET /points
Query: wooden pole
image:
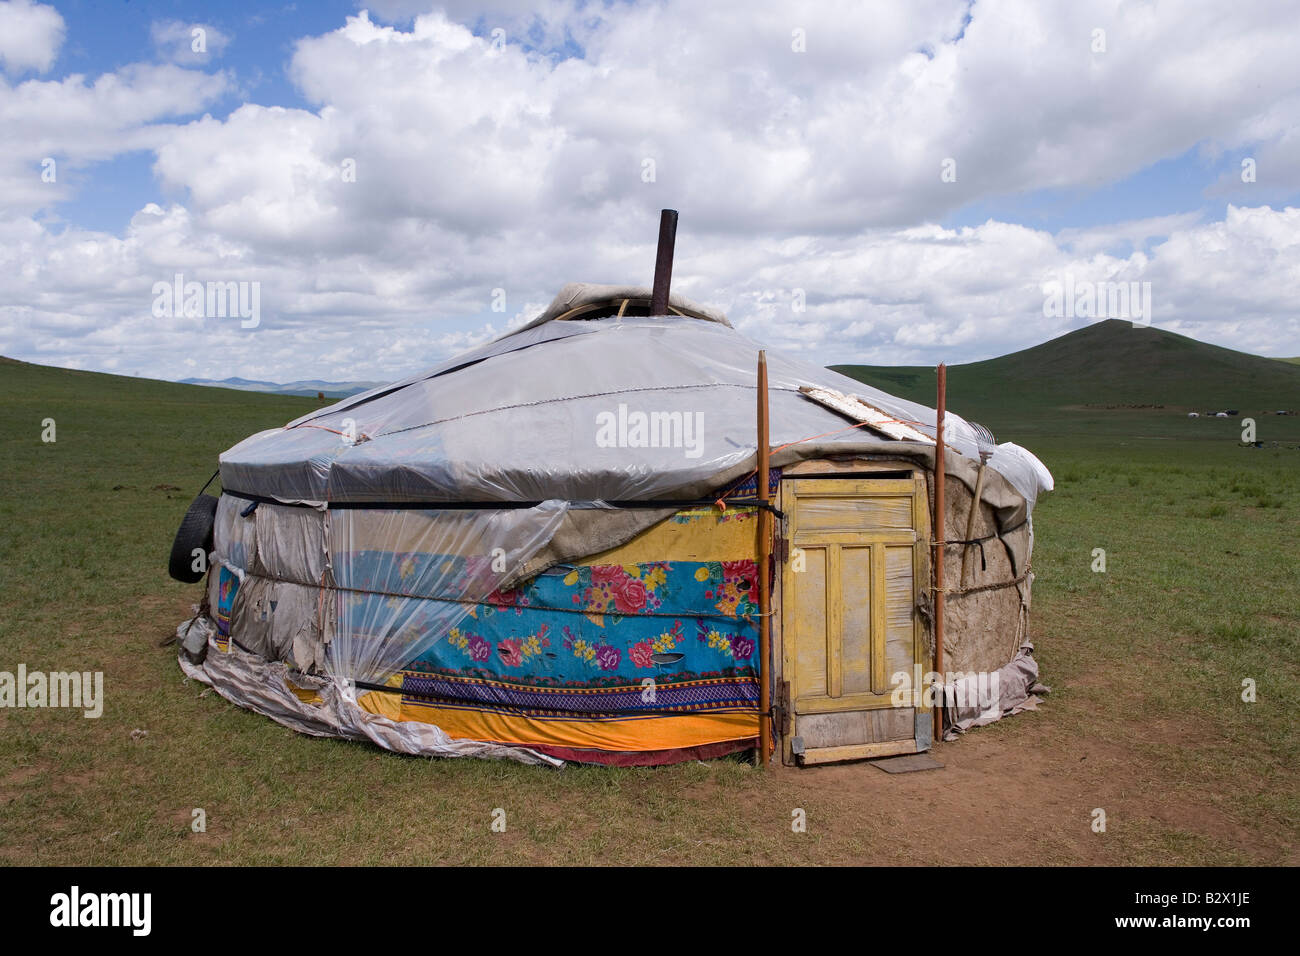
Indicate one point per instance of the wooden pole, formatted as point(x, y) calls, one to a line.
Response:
point(938, 543)
point(664, 262)
point(764, 585)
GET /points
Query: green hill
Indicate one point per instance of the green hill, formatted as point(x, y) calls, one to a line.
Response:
point(26, 381)
point(1108, 365)
point(121, 433)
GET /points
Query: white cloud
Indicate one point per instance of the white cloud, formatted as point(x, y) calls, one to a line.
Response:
point(30, 36)
point(75, 122)
point(914, 295)
point(1136, 233)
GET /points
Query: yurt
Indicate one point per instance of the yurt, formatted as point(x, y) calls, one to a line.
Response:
point(572, 544)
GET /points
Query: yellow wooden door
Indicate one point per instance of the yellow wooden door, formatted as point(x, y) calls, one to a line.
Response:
point(848, 614)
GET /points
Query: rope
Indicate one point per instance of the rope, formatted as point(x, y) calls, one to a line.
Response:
point(979, 542)
point(652, 504)
point(934, 542)
point(545, 401)
point(326, 428)
point(749, 618)
point(959, 592)
point(209, 481)
point(612, 392)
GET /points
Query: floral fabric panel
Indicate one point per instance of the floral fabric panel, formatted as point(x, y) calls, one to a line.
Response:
point(585, 639)
point(641, 636)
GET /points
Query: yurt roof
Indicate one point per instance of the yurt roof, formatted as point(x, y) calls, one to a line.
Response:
point(518, 419)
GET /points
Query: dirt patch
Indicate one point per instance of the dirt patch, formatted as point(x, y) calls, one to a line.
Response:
point(1022, 801)
point(16, 779)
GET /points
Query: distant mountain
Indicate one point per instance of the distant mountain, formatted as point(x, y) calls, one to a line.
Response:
point(1107, 364)
point(309, 387)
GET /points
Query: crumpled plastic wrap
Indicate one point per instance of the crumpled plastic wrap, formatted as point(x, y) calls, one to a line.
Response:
point(266, 687)
point(968, 705)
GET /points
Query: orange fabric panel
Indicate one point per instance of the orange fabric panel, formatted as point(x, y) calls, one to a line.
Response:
point(660, 732)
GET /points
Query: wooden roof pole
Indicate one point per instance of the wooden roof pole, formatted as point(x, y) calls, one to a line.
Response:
point(664, 262)
point(764, 585)
point(970, 521)
point(938, 544)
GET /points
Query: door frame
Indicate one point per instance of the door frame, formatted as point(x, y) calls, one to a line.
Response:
point(865, 479)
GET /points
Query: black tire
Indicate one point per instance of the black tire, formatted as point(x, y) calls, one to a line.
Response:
point(195, 532)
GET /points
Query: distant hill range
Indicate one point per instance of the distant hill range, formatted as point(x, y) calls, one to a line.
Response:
point(310, 387)
point(1107, 364)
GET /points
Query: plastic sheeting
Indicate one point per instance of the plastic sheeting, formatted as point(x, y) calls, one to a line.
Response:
point(1021, 467)
point(304, 575)
point(434, 565)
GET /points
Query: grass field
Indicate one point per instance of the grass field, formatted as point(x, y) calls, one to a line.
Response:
point(1146, 662)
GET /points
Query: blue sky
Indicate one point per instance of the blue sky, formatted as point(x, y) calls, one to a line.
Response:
point(106, 36)
point(516, 163)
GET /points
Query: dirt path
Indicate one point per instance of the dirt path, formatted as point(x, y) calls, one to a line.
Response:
point(1006, 796)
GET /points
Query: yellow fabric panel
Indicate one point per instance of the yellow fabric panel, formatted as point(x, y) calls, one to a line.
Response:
point(305, 694)
point(381, 703)
point(632, 734)
point(710, 535)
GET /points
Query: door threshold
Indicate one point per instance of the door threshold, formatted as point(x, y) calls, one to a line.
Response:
point(888, 748)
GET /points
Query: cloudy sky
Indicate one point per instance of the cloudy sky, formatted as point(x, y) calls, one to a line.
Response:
point(876, 182)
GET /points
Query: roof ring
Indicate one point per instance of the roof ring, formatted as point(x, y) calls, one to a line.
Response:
point(605, 308)
point(984, 440)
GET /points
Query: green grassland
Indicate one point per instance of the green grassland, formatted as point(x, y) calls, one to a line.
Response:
point(1146, 661)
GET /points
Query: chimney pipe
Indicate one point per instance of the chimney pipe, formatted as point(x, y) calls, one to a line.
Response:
point(664, 262)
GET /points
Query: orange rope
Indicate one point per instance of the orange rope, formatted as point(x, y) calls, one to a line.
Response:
point(326, 428)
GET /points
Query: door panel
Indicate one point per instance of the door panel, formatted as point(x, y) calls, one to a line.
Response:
point(811, 663)
point(829, 514)
point(855, 647)
point(900, 624)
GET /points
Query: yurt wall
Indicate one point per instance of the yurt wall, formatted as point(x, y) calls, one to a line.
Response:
point(986, 582)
